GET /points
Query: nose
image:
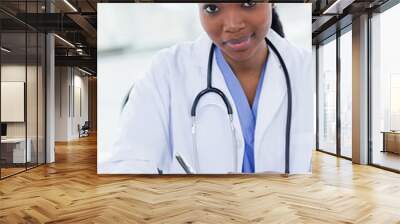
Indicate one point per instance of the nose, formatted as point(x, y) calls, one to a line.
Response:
point(233, 22)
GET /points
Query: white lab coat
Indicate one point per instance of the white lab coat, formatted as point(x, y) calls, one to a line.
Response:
point(156, 122)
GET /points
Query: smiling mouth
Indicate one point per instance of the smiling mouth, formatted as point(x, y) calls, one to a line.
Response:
point(239, 44)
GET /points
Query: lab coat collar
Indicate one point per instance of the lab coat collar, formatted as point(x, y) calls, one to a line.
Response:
point(273, 93)
point(272, 96)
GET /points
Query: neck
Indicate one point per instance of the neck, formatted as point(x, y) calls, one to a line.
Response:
point(253, 65)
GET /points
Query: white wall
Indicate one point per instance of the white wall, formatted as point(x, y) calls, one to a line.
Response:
point(61, 103)
point(70, 83)
point(79, 117)
point(12, 73)
point(296, 24)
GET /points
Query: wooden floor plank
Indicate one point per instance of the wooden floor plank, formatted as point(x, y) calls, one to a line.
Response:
point(70, 191)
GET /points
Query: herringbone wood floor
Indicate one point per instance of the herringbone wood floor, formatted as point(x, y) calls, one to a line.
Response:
point(70, 191)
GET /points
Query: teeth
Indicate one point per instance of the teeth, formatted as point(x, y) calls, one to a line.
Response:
point(239, 41)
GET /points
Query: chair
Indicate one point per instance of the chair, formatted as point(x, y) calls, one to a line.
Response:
point(84, 130)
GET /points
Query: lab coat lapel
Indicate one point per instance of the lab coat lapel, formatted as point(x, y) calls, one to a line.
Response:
point(201, 53)
point(272, 96)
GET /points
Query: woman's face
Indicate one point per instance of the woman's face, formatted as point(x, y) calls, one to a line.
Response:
point(238, 29)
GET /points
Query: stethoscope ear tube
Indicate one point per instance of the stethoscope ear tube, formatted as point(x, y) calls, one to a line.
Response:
point(210, 88)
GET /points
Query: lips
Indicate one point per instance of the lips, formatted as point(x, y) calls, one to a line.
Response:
point(238, 41)
point(239, 44)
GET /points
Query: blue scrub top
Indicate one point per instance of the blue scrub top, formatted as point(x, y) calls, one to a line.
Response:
point(247, 114)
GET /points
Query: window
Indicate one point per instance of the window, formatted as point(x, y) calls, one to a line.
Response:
point(327, 97)
point(346, 94)
point(22, 77)
point(385, 87)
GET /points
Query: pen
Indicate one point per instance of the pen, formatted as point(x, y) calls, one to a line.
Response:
point(188, 169)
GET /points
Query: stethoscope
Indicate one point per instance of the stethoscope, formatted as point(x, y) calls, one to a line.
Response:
point(211, 89)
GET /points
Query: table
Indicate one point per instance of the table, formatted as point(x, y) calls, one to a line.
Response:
point(391, 141)
point(15, 148)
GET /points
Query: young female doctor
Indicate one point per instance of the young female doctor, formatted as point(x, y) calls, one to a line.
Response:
point(237, 100)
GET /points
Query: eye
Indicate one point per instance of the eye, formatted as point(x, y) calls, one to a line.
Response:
point(210, 8)
point(249, 4)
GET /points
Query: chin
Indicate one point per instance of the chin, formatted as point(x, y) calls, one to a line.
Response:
point(240, 56)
